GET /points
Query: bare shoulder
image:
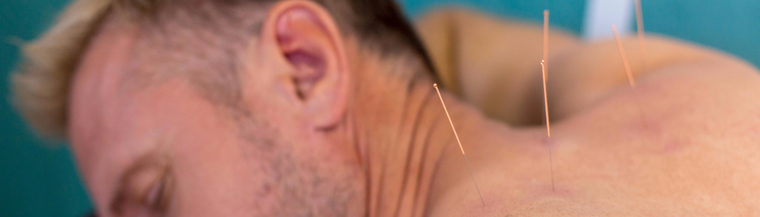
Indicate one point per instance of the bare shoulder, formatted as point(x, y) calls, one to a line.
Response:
point(718, 90)
point(687, 130)
point(710, 103)
point(594, 72)
point(686, 135)
point(683, 142)
point(686, 90)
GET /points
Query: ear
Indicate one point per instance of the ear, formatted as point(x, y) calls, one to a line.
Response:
point(307, 39)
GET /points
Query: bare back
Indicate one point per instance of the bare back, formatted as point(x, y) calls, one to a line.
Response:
point(684, 142)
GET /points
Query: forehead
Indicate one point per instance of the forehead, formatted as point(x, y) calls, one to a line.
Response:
point(99, 73)
point(114, 120)
point(125, 101)
point(93, 91)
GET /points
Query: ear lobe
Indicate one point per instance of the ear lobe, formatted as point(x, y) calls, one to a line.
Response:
point(312, 46)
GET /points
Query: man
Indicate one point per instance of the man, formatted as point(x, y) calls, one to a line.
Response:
point(301, 108)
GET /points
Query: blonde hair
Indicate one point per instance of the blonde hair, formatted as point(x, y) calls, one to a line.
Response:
point(41, 85)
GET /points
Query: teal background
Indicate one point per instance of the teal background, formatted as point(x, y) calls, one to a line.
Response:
point(38, 178)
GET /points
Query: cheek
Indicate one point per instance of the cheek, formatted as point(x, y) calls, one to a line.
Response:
point(211, 176)
point(220, 171)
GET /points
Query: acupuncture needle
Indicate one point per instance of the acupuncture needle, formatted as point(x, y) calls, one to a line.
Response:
point(459, 142)
point(548, 127)
point(640, 33)
point(544, 65)
point(546, 37)
point(631, 80)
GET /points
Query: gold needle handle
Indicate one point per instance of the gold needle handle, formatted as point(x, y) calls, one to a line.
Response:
point(625, 59)
point(460, 143)
point(449, 117)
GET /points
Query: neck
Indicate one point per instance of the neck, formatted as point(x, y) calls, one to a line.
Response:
point(402, 131)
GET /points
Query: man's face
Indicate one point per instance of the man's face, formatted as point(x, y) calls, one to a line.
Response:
point(155, 148)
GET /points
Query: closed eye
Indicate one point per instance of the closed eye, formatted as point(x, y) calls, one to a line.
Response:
point(145, 188)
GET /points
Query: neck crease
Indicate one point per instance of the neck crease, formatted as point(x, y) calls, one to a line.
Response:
point(402, 134)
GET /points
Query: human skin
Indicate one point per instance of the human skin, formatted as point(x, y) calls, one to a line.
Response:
point(664, 148)
point(380, 145)
point(491, 62)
